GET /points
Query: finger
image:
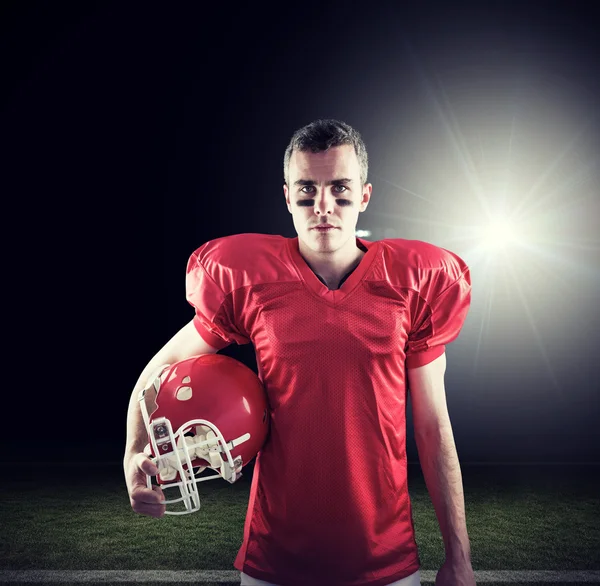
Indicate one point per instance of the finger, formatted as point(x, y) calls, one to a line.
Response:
point(145, 464)
point(156, 511)
point(158, 490)
point(145, 495)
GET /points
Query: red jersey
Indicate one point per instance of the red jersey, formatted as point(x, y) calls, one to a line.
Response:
point(329, 502)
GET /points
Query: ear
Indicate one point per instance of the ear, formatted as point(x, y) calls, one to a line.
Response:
point(286, 193)
point(366, 196)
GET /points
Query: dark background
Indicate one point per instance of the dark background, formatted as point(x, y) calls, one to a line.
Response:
point(134, 132)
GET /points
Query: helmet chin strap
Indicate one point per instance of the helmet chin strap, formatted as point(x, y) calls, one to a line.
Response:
point(208, 444)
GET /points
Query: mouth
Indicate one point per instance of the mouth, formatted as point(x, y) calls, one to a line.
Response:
point(324, 228)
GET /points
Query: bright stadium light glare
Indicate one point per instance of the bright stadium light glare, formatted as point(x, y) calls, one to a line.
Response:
point(363, 233)
point(510, 187)
point(500, 234)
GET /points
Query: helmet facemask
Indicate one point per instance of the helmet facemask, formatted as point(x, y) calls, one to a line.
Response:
point(182, 455)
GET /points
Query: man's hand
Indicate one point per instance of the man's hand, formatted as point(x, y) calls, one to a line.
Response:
point(144, 500)
point(455, 574)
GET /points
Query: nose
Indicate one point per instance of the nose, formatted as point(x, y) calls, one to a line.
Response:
point(324, 203)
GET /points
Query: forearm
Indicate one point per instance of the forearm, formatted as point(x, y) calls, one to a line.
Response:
point(441, 470)
point(137, 436)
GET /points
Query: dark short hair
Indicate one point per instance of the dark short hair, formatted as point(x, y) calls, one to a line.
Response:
point(321, 135)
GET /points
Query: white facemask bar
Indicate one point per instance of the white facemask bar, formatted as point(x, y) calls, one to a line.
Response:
point(161, 433)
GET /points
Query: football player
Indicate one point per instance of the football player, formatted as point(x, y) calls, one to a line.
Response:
point(343, 328)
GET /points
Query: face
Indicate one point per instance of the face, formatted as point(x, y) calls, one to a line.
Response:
point(325, 188)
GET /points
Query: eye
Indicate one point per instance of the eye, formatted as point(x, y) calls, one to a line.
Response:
point(305, 187)
point(340, 188)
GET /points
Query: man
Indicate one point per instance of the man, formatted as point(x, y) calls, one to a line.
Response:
point(341, 326)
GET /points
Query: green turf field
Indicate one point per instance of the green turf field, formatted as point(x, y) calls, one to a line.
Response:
point(74, 518)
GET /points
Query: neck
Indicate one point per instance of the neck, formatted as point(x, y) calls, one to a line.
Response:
point(332, 266)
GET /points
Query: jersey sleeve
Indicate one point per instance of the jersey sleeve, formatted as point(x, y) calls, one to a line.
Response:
point(439, 314)
point(208, 291)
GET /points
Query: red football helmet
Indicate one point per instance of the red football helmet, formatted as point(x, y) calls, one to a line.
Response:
point(212, 413)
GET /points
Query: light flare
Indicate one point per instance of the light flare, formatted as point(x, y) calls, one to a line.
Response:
point(518, 202)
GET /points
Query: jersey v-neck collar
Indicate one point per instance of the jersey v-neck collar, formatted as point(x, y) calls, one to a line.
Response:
point(317, 286)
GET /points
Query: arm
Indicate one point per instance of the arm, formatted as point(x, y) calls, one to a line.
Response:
point(185, 343)
point(440, 465)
